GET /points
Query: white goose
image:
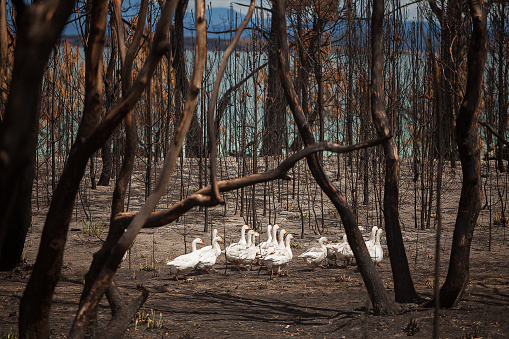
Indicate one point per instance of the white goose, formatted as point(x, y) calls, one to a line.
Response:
point(344, 253)
point(235, 250)
point(265, 244)
point(242, 240)
point(315, 256)
point(281, 243)
point(248, 255)
point(280, 258)
point(207, 258)
point(270, 247)
point(376, 252)
point(209, 247)
point(371, 241)
point(185, 262)
point(334, 248)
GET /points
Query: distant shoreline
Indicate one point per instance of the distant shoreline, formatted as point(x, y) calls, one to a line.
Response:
point(213, 44)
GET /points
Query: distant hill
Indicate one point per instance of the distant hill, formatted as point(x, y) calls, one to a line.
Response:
point(218, 20)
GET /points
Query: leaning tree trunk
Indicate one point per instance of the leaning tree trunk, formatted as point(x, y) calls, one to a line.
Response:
point(37, 33)
point(21, 215)
point(469, 151)
point(126, 169)
point(376, 289)
point(404, 289)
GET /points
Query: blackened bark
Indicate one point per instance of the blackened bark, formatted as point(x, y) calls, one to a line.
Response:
point(404, 289)
point(110, 89)
point(107, 160)
point(469, 151)
point(36, 301)
point(21, 214)
point(36, 36)
point(502, 85)
point(194, 145)
point(273, 138)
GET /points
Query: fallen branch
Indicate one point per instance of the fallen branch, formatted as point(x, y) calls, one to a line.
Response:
point(202, 197)
point(492, 130)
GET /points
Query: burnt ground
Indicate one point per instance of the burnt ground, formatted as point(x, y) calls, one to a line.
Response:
point(325, 303)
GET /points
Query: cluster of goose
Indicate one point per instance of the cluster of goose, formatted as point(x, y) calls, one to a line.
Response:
point(275, 253)
point(341, 251)
point(272, 254)
point(202, 259)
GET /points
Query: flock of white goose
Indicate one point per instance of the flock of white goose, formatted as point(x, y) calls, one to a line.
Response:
point(275, 253)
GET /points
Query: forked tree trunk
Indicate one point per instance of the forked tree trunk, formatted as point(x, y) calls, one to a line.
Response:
point(376, 289)
point(469, 151)
point(404, 289)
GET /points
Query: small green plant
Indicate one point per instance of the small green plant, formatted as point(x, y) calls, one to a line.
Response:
point(24, 260)
point(148, 267)
point(296, 244)
point(152, 267)
point(429, 284)
point(342, 278)
point(93, 229)
point(10, 335)
point(412, 328)
point(149, 319)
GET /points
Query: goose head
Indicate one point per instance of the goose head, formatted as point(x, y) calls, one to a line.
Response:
point(243, 234)
point(373, 234)
point(274, 234)
point(378, 235)
point(214, 233)
point(322, 241)
point(269, 233)
point(289, 238)
point(281, 238)
point(249, 237)
point(196, 242)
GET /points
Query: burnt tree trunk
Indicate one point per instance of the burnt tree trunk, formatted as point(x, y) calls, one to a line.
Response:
point(37, 33)
point(21, 215)
point(404, 289)
point(36, 301)
point(4, 57)
point(273, 138)
point(376, 289)
point(502, 85)
point(194, 145)
point(469, 151)
point(110, 89)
